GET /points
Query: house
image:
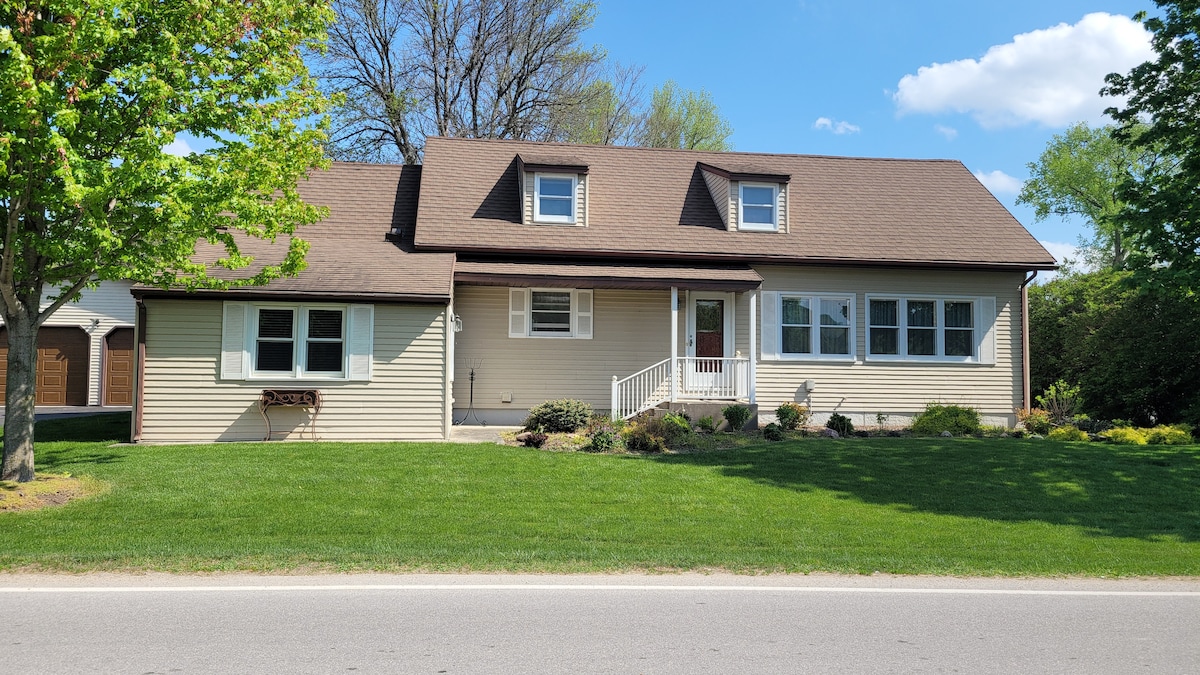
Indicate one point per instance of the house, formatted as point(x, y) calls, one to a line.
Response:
point(85, 350)
point(500, 274)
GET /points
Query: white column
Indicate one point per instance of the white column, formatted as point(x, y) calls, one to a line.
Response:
point(674, 370)
point(753, 346)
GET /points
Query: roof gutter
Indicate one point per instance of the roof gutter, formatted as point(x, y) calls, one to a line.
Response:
point(1025, 370)
point(709, 258)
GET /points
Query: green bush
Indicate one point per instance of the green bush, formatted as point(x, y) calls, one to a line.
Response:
point(707, 424)
point(1036, 421)
point(605, 440)
point(565, 415)
point(1067, 433)
point(638, 438)
point(792, 416)
point(840, 424)
point(1169, 435)
point(737, 416)
point(1126, 436)
point(1060, 401)
point(773, 432)
point(956, 419)
point(673, 427)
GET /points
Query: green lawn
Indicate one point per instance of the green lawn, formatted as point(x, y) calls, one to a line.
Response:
point(918, 506)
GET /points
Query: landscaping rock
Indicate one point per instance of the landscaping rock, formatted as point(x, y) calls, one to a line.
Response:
point(830, 433)
point(947, 434)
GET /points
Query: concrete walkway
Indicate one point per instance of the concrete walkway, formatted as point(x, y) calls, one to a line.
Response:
point(53, 412)
point(477, 434)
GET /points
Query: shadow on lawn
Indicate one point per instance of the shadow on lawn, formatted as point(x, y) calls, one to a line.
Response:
point(1117, 491)
point(57, 440)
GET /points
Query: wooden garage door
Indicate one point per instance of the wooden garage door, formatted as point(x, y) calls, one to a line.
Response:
point(118, 367)
point(62, 367)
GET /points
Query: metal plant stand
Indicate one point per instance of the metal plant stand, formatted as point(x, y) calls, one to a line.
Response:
point(473, 363)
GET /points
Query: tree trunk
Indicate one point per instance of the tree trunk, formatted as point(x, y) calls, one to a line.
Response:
point(19, 397)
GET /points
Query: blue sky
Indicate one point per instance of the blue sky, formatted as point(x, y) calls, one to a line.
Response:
point(825, 76)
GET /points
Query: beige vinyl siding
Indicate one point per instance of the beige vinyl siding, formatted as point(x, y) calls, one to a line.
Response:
point(98, 312)
point(781, 205)
point(900, 389)
point(631, 331)
point(718, 187)
point(185, 399)
point(529, 191)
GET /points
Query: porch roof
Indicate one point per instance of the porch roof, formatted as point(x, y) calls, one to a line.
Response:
point(599, 275)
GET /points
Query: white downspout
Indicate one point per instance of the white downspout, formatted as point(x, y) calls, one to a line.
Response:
point(753, 347)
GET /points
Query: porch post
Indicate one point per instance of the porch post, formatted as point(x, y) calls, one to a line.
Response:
point(753, 346)
point(674, 370)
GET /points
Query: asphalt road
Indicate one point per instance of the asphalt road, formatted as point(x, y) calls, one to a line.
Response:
point(611, 624)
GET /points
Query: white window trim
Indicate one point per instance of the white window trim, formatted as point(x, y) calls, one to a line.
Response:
point(814, 336)
point(758, 227)
point(978, 330)
point(300, 342)
point(538, 217)
point(582, 321)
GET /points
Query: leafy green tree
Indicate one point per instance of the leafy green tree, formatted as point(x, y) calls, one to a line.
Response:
point(1164, 205)
point(608, 111)
point(1080, 173)
point(1133, 351)
point(684, 119)
point(90, 94)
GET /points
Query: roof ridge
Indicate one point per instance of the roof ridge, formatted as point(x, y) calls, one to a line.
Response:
point(717, 153)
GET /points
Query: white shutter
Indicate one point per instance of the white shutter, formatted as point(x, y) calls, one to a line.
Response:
point(985, 329)
point(360, 336)
point(583, 314)
point(518, 311)
point(770, 326)
point(235, 360)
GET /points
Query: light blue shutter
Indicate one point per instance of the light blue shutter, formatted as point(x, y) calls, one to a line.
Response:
point(360, 338)
point(518, 308)
point(235, 360)
point(985, 329)
point(583, 314)
point(770, 326)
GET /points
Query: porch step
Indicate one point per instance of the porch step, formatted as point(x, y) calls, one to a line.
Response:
point(697, 409)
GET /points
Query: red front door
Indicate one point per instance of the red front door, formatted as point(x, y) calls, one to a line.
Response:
point(710, 333)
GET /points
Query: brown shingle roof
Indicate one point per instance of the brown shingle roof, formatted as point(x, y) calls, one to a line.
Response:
point(654, 203)
point(352, 254)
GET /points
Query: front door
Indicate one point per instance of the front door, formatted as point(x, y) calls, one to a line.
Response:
point(710, 338)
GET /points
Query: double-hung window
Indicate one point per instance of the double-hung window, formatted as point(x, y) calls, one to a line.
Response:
point(921, 328)
point(803, 326)
point(554, 198)
point(550, 312)
point(292, 341)
point(758, 206)
point(300, 341)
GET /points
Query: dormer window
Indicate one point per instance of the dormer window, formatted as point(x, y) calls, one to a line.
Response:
point(757, 207)
point(554, 198)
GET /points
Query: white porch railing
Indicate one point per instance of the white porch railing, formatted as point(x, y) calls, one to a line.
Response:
point(695, 378)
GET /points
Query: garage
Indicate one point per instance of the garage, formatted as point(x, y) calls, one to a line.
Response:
point(62, 367)
point(118, 367)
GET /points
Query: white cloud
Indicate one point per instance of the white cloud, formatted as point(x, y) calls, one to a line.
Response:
point(1051, 76)
point(949, 132)
point(839, 128)
point(178, 147)
point(999, 182)
point(1061, 251)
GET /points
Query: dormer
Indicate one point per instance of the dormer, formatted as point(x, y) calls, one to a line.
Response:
point(554, 190)
point(749, 199)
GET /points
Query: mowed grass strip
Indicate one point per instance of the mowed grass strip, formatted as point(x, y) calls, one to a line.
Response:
point(915, 506)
